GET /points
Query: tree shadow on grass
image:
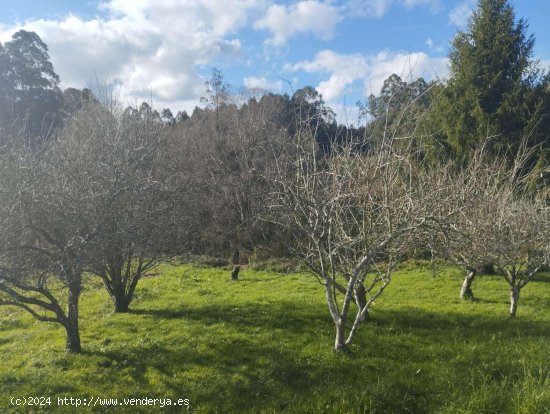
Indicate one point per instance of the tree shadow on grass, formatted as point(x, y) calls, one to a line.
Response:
point(280, 315)
point(245, 377)
point(248, 279)
point(493, 301)
point(431, 323)
point(254, 371)
point(5, 341)
point(541, 278)
point(251, 374)
point(235, 378)
point(398, 337)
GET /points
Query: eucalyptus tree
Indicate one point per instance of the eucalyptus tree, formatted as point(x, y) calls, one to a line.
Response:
point(396, 111)
point(30, 98)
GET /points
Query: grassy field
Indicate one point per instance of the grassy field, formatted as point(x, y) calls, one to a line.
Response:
point(264, 345)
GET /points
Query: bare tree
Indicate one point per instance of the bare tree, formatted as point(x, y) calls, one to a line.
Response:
point(43, 239)
point(229, 152)
point(476, 186)
point(516, 226)
point(352, 218)
point(137, 189)
point(97, 200)
point(499, 223)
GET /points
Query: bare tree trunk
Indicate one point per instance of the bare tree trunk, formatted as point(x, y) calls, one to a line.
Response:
point(121, 304)
point(235, 261)
point(466, 292)
point(361, 298)
point(71, 322)
point(118, 295)
point(514, 298)
point(123, 296)
point(129, 295)
point(120, 291)
point(235, 272)
point(338, 318)
point(112, 279)
point(340, 341)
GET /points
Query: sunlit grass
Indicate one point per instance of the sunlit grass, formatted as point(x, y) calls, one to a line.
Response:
point(264, 344)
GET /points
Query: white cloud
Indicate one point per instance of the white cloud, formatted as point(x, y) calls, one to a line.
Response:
point(145, 46)
point(432, 46)
point(368, 8)
point(344, 70)
point(309, 16)
point(378, 8)
point(347, 113)
point(153, 50)
point(262, 83)
point(460, 15)
point(433, 5)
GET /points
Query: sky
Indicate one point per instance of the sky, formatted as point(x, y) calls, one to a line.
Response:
point(163, 51)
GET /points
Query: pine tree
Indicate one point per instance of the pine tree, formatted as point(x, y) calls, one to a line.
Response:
point(494, 89)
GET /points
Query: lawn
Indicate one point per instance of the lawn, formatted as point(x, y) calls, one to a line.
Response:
point(264, 345)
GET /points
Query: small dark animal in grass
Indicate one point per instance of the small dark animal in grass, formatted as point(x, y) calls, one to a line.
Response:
point(236, 267)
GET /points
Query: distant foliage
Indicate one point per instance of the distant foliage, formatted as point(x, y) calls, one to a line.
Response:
point(397, 110)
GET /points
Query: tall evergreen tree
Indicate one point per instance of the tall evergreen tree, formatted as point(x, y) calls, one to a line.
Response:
point(29, 94)
point(494, 89)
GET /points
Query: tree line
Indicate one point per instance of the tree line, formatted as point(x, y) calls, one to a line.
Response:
point(455, 169)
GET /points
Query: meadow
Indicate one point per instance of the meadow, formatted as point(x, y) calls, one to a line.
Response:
point(263, 344)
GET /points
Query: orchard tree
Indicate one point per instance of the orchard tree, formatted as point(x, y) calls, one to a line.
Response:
point(126, 163)
point(517, 227)
point(476, 186)
point(98, 200)
point(352, 218)
point(44, 237)
point(499, 224)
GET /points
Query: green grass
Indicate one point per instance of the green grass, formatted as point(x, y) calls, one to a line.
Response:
point(264, 345)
